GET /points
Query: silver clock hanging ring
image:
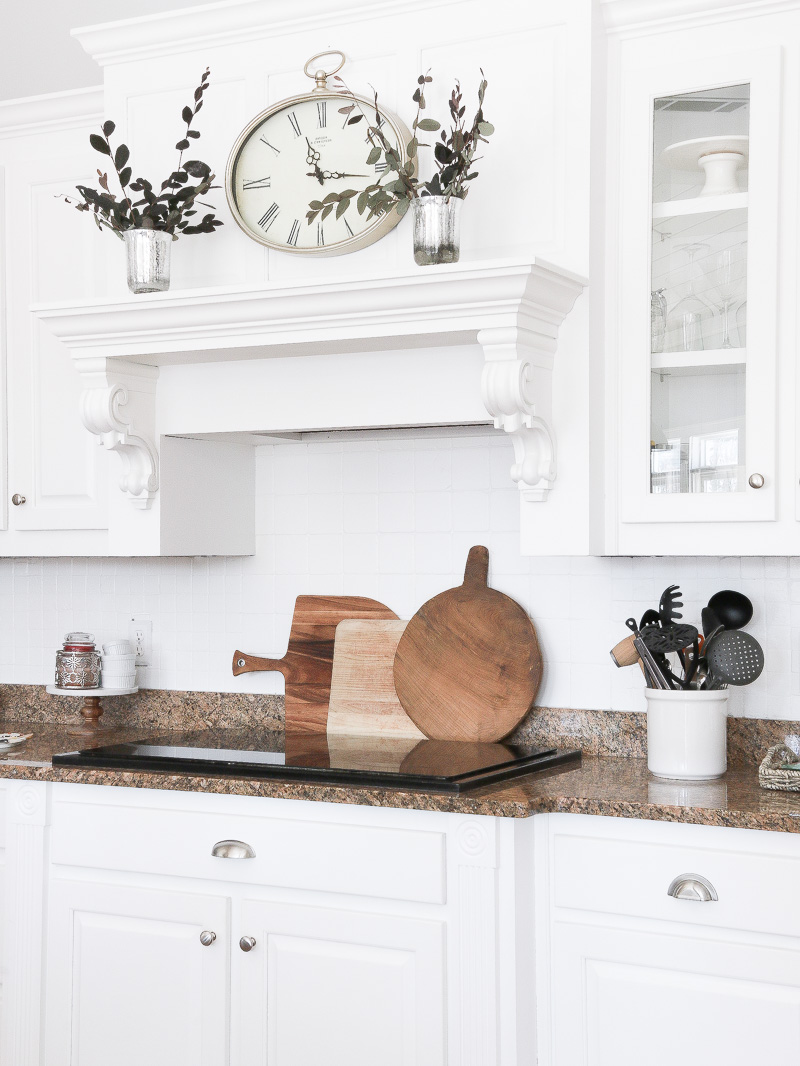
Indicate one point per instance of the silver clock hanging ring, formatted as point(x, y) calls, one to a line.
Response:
point(321, 76)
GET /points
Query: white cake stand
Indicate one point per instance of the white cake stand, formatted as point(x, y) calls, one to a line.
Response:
point(719, 157)
point(92, 708)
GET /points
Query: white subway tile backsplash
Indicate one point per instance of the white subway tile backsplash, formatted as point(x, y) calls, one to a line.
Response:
point(393, 520)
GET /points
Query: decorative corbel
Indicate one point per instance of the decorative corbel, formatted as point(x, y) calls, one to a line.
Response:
point(118, 406)
point(517, 391)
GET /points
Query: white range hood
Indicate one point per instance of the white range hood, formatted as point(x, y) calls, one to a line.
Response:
point(512, 310)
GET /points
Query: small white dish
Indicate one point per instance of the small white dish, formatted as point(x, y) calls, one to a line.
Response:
point(11, 740)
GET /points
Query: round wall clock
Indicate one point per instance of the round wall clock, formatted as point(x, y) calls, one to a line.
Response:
point(299, 150)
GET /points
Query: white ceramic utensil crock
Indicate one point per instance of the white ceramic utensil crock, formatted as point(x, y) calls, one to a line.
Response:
point(687, 734)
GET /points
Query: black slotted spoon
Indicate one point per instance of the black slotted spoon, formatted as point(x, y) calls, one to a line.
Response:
point(735, 658)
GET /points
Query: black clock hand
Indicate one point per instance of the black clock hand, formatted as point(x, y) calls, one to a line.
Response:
point(313, 159)
point(338, 174)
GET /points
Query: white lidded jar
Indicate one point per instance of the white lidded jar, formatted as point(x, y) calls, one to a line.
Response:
point(687, 733)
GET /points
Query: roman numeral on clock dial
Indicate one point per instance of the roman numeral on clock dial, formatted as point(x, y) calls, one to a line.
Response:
point(322, 114)
point(294, 123)
point(320, 236)
point(294, 233)
point(269, 217)
point(256, 183)
point(347, 227)
point(264, 140)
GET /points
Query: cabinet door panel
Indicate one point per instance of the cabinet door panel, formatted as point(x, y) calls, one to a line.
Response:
point(129, 981)
point(53, 461)
point(623, 997)
point(340, 987)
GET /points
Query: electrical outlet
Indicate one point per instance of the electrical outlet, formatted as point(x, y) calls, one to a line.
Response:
point(142, 640)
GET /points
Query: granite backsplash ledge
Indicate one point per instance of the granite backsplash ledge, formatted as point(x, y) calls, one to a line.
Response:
point(607, 733)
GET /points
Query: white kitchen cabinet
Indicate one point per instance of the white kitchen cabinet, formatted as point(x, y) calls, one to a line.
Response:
point(129, 980)
point(699, 331)
point(55, 476)
point(345, 987)
point(636, 975)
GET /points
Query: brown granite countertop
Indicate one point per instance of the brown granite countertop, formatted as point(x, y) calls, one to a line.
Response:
point(601, 785)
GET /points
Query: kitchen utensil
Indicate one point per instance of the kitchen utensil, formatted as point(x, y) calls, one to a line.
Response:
point(363, 699)
point(735, 658)
point(663, 640)
point(652, 671)
point(711, 624)
point(649, 618)
point(733, 609)
point(468, 665)
point(670, 600)
point(625, 653)
point(307, 664)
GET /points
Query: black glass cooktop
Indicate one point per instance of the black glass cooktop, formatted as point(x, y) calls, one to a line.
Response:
point(432, 765)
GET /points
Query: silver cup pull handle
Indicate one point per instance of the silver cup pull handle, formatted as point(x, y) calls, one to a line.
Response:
point(232, 849)
point(692, 887)
point(207, 938)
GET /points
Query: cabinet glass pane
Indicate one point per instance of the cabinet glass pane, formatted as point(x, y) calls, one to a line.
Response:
point(698, 300)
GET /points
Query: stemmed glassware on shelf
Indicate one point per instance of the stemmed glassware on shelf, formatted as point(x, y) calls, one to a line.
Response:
point(726, 279)
point(689, 312)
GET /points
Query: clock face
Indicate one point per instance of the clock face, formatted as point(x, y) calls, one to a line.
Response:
point(301, 150)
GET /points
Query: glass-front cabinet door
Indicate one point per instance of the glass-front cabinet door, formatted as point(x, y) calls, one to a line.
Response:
point(697, 296)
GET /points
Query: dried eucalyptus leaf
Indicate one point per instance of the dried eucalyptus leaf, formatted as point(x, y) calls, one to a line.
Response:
point(429, 125)
point(99, 144)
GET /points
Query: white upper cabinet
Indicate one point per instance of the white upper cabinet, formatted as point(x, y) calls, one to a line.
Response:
point(700, 338)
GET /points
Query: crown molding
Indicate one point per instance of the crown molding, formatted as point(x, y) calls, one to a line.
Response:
point(512, 310)
point(638, 18)
point(51, 111)
point(229, 22)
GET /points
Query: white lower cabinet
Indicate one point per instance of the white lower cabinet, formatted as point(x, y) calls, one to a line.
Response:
point(626, 997)
point(632, 975)
point(358, 936)
point(128, 979)
point(341, 987)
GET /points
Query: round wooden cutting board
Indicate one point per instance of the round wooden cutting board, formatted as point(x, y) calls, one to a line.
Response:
point(468, 665)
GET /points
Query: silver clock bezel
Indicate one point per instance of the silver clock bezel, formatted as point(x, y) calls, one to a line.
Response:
point(379, 227)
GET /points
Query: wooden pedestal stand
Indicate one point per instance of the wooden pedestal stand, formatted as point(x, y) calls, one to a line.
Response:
point(91, 709)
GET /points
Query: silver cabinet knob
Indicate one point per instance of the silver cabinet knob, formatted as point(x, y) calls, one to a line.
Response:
point(18, 500)
point(694, 887)
point(232, 849)
point(756, 481)
point(247, 943)
point(207, 938)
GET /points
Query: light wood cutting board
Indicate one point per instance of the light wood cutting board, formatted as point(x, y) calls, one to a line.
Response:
point(363, 697)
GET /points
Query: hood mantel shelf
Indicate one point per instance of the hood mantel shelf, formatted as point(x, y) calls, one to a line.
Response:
point(512, 309)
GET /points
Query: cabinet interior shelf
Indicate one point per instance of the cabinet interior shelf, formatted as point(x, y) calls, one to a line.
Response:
point(711, 361)
point(700, 205)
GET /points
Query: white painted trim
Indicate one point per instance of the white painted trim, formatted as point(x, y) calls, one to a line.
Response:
point(420, 308)
point(512, 310)
point(229, 22)
point(637, 18)
point(38, 114)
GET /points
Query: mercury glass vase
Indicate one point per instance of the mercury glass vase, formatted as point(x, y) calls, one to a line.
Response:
point(437, 233)
point(148, 253)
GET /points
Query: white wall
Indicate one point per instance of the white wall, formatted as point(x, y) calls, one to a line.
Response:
point(392, 520)
point(37, 54)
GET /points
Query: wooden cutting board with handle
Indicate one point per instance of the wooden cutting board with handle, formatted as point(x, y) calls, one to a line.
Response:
point(468, 664)
point(363, 697)
point(308, 662)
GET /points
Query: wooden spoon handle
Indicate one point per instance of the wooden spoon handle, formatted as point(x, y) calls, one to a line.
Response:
point(244, 663)
point(476, 572)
